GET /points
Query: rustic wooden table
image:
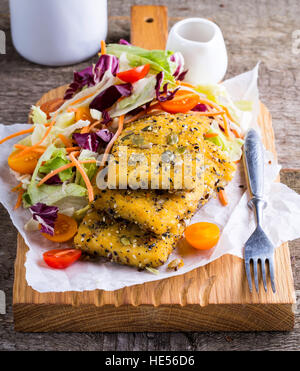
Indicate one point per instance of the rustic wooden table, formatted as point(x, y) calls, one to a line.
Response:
point(254, 31)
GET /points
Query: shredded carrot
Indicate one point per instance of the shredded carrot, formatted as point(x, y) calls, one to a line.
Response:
point(185, 84)
point(223, 197)
point(80, 100)
point(228, 114)
point(16, 188)
point(135, 117)
point(114, 138)
point(17, 134)
point(91, 127)
point(85, 129)
point(226, 126)
point(65, 140)
point(40, 149)
point(71, 149)
point(39, 142)
point(236, 133)
point(103, 47)
point(19, 200)
point(84, 176)
point(210, 135)
point(207, 113)
point(62, 168)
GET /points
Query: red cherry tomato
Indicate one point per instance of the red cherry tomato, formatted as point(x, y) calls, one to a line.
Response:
point(61, 258)
point(183, 101)
point(134, 74)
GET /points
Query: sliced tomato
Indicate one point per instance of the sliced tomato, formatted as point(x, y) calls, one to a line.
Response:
point(24, 164)
point(61, 258)
point(51, 105)
point(203, 235)
point(65, 228)
point(183, 101)
point(134, 74)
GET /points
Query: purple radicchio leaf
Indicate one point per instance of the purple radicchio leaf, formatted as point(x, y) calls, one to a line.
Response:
point(87, 141)
point(124, 42)
point(179, 73)
point(106, 62)
point(164, 95)
point(81, 79)
point(54, 180)
point(45, 215)
point(105, 135)
point(200, 107)
point(109, 96)
point(181, 76)
point(177, 58)
point(105, 118)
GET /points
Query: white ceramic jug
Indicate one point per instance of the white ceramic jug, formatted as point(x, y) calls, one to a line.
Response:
point(202, 45)
point(58, 32)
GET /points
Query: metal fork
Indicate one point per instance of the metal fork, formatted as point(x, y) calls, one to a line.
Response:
point(258, 247)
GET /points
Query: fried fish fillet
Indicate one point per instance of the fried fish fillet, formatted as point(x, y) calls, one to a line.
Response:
point(160, 211)
point(124, 242)
point(159, 152)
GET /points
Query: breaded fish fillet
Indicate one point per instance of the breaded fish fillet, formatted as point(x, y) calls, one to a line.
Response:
point(124, 242)
point(159, 152)
point(160, 211)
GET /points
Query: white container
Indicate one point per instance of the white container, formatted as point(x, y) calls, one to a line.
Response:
point(202, 45)
point(58, 32)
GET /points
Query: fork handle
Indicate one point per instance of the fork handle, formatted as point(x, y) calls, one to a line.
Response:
point(254, 166)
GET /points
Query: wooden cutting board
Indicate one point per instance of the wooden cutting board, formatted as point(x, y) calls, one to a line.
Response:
point(211, 298)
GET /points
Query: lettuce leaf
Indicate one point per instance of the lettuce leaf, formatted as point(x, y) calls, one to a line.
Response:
point(143, 92)
point(58, 159)
point(37, 115)
point(232, 147)
point(159, 60)
point(53, 194)
point(90, 169)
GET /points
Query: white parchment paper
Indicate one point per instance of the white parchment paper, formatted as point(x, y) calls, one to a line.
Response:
point(281, 220)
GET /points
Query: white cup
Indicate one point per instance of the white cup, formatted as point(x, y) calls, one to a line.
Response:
point(58, 32)
point(202, 45)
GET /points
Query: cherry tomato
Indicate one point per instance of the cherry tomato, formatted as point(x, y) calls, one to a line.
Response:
point(202, 236)
point(83, 113)
point(51, 106)
point(24, 164)
point(61, 258)
point(65, 228)
point(134, 74)
point(183, 101)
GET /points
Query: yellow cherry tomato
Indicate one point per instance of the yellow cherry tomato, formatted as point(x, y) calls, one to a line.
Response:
point(24, 164)
point(203, 235)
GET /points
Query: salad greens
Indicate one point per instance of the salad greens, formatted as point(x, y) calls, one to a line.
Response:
point(84, 125)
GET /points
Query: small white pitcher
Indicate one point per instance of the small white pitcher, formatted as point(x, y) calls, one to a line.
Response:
point(58, 32)
point(202, 45)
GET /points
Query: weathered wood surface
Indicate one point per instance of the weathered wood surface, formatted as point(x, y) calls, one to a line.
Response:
point(265, 29)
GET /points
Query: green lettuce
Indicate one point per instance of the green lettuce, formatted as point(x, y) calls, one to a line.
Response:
point(232, 147)
point(90, 169)
point(143, 92)
point(58, 159)
point(158, 59)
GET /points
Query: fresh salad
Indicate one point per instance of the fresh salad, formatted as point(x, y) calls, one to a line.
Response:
point(56, 160)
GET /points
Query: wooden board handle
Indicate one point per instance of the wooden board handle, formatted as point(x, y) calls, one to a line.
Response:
point(149, 26)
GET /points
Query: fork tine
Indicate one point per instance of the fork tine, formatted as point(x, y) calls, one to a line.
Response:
point(248, 273)
point(263, 273)
point(272, 274)
point(255, 274)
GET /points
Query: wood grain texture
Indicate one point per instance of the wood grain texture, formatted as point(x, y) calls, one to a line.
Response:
point(214, 297)
point(264, 33)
